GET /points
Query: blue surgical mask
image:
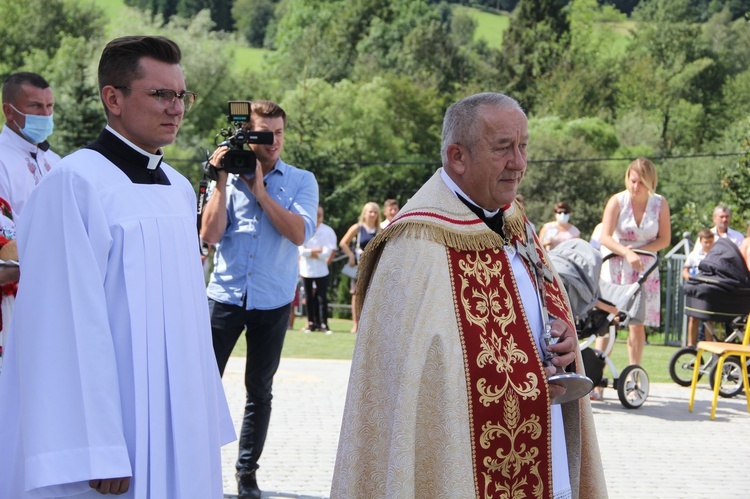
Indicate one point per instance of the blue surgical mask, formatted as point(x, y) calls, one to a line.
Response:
point(37, 128)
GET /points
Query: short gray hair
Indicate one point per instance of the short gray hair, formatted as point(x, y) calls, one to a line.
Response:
point(720, 208)
point(461, 126)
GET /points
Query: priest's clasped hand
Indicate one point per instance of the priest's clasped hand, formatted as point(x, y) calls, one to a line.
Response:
point(563, 351)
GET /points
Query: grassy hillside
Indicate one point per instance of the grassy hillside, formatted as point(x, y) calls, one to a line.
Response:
point(245, 57)
point(490, 26)
point(618, 34)
point(249, 57)
point(113, 8)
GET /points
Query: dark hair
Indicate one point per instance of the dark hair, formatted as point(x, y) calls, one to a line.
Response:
point(705, 234)
point(267, 109)
point(390, 202)
point(562, 207)
point(119, 64)
point(13, 83)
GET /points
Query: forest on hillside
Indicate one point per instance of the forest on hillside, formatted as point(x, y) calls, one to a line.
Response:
point(366, 82)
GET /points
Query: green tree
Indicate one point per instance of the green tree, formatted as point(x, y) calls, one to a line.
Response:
point(351, 148)
point(507, 5)
point(532, 47)
point(30, 25)
point(221, 10)
point(411, 39)
point(666, 71)
point(252, 18)
point(736, 181)
point(728, 42)
point(356, 40)
point(583, 82)
point(311, 42)
point(584, 184)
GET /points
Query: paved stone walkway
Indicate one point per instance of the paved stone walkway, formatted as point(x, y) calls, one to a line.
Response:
point(658, 451)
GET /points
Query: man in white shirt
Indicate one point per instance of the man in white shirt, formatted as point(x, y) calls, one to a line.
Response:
point(315, 255)
point(25, 155)
point(722, 217)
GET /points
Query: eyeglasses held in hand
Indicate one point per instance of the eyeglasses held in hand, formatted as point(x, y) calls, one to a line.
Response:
point(168, 97)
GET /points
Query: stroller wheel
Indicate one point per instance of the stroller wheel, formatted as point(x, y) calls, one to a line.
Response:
point(682, 363)
point(731, 377)
point(632, 387)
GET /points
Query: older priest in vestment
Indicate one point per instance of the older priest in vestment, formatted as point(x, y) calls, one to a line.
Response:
point(448, 394)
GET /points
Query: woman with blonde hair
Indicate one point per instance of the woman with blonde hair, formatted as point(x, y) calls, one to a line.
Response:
point(364, 230)
point(637, 218)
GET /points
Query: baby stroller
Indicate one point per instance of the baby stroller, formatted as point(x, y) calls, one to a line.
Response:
point(596, 305)
point(720, 293)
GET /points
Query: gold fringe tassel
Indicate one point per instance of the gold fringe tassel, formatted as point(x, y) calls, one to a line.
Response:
point(514, 226)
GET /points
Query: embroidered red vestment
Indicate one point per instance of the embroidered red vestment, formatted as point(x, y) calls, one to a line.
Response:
point(509, 402)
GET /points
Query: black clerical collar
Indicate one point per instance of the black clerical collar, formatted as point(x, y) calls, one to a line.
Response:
point(132, 163)
point(44, 146)
point(495, 222)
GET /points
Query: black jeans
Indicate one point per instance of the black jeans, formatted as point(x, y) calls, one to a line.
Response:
point(317, 300)
point(265, 334)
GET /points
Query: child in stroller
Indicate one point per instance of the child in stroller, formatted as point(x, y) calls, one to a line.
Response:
point(599, 307)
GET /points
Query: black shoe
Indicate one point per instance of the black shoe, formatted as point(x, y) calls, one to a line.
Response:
point(247, 485)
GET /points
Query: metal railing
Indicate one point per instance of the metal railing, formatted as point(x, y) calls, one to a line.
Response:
point(675, 323)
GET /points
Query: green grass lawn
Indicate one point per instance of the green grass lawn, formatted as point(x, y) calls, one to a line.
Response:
point(112, 8)
point(340, 345)
point(490, 26)
point(616, 36)
point(655, 360)
point(249, 58)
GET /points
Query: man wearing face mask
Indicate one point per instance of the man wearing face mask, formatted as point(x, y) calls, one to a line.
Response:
point(25, 155)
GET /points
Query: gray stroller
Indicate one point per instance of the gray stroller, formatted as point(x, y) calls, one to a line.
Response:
point(598, 307)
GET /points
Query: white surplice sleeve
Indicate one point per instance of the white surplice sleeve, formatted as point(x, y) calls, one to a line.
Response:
point(71, 419)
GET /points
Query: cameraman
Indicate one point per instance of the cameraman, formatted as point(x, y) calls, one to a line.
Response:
point(256, 220)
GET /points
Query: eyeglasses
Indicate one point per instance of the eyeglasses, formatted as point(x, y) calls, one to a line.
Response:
point(561, 212)
point(167, 97)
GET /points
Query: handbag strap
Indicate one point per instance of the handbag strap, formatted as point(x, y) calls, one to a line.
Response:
point(357, 249)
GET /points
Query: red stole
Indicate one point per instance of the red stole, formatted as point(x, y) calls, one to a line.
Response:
point(509, 408)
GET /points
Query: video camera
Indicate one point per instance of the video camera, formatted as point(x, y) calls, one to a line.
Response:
point(238, 159)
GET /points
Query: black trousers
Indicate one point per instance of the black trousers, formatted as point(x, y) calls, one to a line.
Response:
point(317, 300)
point(265, 332)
